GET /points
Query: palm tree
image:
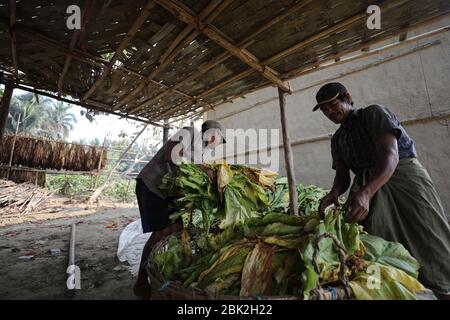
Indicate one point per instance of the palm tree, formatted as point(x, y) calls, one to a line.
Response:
point(44, 117)
point(31, 114)
point(60, 119)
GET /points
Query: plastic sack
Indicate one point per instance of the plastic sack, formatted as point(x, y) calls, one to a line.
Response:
point(131, 243)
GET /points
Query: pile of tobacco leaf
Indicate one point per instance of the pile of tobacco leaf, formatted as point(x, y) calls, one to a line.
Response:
point(239, 239)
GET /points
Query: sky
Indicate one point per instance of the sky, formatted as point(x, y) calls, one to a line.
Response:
point(102, 126)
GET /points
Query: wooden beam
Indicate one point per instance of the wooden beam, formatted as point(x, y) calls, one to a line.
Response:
point(181, 13)
point(12, 26)
point(4, 108)
point(63, 73)
point(309, 68)
point(334, 78)
point(342, 25)
point(140, 20)
point(73, 42)
point(303, 70)
point(288, 156)
point(244, 43)
point(211, 7)
point(85, 57)
point(88, 104)
point(172, 51)
point(339, 26)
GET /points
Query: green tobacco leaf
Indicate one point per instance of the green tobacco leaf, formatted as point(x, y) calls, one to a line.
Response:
point(389, 253)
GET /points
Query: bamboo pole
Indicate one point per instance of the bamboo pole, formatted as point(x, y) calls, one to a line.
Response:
point(13, 147)
point(247, 41)
point(12, 25)
point(172, 51)
point(74, 278)
point(275, 58)
point(288, 157)
point(98, 106)
point(46, 42)
point(4, 108)
point(289, 75)
point(140, 20)
point(341, 25)
point(182, 14)
point(97, 192)
point(72, 44)
point(313, 68)
point(165, 132)
point(304, 69)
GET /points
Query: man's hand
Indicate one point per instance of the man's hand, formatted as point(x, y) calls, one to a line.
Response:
point(357, 206)
point(328, 200)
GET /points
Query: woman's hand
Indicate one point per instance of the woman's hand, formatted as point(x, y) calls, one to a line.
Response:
point(328, 200)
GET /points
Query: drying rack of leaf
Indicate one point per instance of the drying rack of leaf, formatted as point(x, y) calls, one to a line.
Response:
point(154, 60)
point(163, 289)
point(21, 198)
point(22, 176)
point(36, 153)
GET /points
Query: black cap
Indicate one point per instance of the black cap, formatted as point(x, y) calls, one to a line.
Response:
point(328, 93)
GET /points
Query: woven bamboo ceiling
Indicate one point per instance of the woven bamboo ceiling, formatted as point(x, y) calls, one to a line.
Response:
point(166, 59)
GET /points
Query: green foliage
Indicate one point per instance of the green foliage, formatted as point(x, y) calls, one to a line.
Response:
point(43, 117)
point(80, 187)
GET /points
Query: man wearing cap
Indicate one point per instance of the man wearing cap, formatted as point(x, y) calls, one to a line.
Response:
point(392, 194)
point(153, 203)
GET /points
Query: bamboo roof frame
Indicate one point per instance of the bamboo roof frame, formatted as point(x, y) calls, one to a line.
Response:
point(177, 58)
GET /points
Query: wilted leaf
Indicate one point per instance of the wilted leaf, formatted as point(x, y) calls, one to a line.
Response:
point(257, 272)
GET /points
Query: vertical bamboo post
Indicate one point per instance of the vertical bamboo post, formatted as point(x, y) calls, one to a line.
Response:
point(13, 147)
point(165, 132)
point(288, 157)
point(4, 107)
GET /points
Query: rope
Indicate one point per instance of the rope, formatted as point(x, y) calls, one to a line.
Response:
point(342, 258)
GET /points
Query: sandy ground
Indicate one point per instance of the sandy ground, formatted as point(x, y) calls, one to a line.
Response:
point(44, 276)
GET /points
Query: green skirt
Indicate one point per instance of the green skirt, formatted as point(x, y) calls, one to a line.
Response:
point(407, 209)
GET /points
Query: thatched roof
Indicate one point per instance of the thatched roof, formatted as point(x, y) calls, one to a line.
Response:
point(164, 59)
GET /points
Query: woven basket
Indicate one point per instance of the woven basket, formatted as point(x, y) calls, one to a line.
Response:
point(173, 290)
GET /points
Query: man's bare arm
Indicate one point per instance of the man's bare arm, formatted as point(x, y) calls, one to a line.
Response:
point(387, 150)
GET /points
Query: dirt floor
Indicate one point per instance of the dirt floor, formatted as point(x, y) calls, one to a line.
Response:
point(103, 276)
